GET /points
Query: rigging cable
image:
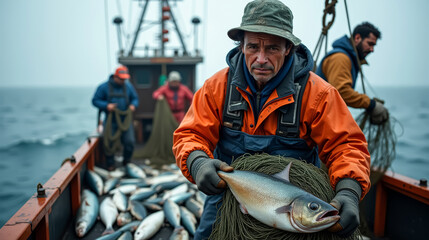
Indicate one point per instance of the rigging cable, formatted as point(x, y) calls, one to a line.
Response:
point(329, 9)
point(354, 47)
point(106, 18)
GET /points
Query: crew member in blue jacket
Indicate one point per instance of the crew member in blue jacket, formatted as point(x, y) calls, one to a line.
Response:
point(340, 67)
point(118, 93)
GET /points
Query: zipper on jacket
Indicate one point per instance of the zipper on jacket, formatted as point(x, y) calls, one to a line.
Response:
point(257, 108)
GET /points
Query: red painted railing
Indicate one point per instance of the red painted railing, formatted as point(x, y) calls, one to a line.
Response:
point(33, 217)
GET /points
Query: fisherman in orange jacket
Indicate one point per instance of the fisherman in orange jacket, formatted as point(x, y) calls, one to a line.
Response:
point(268, 100)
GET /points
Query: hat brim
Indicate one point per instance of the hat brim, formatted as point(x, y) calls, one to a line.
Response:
point(234, 32)
point(123, 75)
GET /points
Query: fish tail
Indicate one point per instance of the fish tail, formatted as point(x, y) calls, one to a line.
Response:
point(108, 230)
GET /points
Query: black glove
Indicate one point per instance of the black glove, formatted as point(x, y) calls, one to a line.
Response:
point(347, 202)
point(379, 113)
point(204, 171)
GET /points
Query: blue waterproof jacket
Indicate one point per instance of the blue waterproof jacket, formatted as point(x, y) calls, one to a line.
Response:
point(111, 92)
point(342, 45)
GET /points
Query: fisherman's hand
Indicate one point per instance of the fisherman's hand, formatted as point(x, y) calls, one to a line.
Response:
point(347, 202)
point(204, 171)
point(111, 107)
point(132, 108)
point(379, 114)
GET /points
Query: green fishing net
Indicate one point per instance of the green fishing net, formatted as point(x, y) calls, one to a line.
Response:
point(112, 141)
point(231, 223)
point(381, 143)
point(159, 146)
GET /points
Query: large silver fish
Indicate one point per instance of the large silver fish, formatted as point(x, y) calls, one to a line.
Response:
point(87, 213)
point(273, 200)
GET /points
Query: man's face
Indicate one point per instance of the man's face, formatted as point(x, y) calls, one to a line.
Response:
point(365, 46)
point(264, 55)
point(119, 80)
point(174, 84)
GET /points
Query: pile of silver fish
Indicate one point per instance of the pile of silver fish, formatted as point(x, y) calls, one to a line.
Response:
point(137, 201)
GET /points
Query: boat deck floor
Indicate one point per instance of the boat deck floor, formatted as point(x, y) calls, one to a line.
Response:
point(96, 231)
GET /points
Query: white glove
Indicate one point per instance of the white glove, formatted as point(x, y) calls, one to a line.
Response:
point(379, 114)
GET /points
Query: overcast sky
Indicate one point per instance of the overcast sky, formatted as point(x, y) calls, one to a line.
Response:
point(63, 43)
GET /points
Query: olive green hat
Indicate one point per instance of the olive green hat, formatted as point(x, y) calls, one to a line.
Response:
point(266, 16)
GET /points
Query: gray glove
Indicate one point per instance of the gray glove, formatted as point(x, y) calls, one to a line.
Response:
point(347, 202)
point(204, 171)
point(379, 114)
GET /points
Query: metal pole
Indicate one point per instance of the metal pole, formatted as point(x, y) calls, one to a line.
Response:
point(185, 52)
point(136, 34)
point(162, 29)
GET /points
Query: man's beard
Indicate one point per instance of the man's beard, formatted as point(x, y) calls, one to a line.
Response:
point(360, 51)
point(173, 88)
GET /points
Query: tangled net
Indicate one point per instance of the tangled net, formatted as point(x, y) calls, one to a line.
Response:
point(159, 146)
point(236, 225)
point(381, 141)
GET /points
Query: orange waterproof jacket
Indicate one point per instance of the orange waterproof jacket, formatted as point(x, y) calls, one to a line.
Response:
point(325, 122)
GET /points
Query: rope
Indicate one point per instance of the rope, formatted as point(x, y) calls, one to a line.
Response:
point(354, 48)
point(112, 142)
point(329, 9)
point(106, 19)
point(236, 225)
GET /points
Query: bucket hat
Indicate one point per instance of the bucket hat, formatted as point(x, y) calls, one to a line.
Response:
point(266, 16)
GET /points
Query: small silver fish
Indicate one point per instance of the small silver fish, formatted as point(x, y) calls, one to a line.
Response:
point(194, 207)
point(149, 226)
point(179, 233)
point(120, 201)
point(177, 190)
point(126, 236)
point(134, 171)
point(110, 184)
point(142, 194)
point(273, 200)
point(95, 182)
point(172, 213)
point(87, 213)
point(188, 220)
point(108, 214)
point(123, 218)
point(138, 210)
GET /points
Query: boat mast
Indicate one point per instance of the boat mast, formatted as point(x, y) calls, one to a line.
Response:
point(136, 34)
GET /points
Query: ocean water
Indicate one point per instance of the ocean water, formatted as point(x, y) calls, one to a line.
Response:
point(40, 127)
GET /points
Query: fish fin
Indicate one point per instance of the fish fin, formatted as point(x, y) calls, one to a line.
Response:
point(86, 203)
point(243, 209)
point(284, 209)
point(284, 174)
point(108, 231)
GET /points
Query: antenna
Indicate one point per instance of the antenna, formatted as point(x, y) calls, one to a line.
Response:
point(196, 21)
point(118, 21)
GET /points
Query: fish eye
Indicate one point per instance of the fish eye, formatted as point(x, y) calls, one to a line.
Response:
point(313, 206)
